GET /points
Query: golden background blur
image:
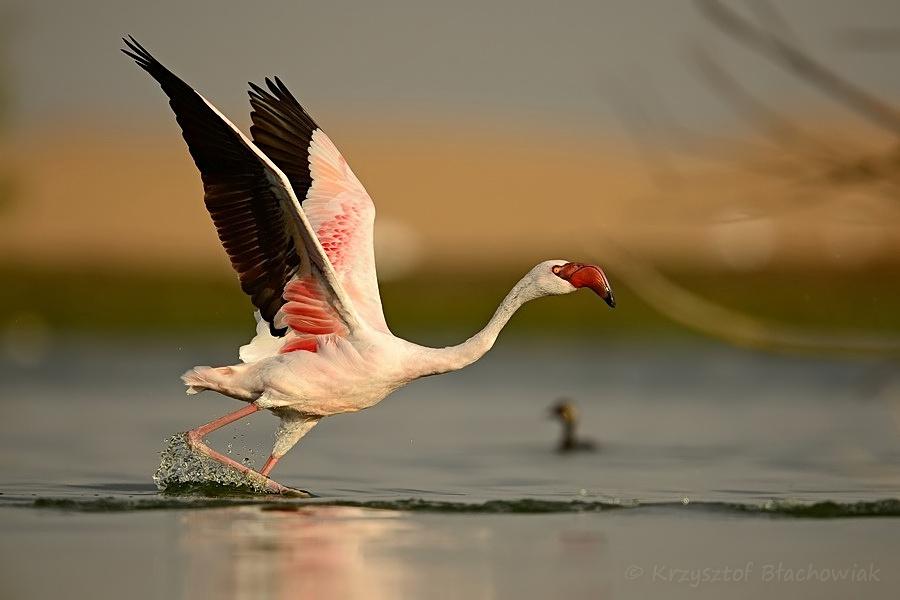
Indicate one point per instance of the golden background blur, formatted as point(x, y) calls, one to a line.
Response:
point(654, 138)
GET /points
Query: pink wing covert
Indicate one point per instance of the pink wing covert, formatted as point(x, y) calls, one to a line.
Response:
point(343, 216)
point(338, 209)
point(307, 314)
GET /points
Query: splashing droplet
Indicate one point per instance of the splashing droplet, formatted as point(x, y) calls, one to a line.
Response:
point(180, 465)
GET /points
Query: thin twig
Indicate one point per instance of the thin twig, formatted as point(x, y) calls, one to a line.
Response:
point(795, 60)
point(754, 111)
point(769, 16)
point(699, 314)
point(869, 39)
point(630, 110)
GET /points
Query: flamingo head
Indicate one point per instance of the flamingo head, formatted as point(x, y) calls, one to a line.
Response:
point(563, 277)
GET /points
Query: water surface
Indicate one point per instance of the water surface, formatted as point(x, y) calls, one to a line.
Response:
point(711, 461)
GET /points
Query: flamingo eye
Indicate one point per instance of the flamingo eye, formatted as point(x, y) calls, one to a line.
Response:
point(556, 270)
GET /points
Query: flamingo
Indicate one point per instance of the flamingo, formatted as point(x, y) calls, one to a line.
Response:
point(297, 226)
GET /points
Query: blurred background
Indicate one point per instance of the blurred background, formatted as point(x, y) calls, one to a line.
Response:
point(733, 166)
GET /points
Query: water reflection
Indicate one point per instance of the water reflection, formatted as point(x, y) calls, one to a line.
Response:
point(344, 552)
point(322, 552)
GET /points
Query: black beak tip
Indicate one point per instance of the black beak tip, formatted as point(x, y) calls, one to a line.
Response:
point(610, 300)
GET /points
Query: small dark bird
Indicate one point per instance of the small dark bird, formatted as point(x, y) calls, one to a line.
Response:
point(565, 411)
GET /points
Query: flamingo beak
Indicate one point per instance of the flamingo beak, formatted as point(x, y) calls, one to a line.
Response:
point(589, 276)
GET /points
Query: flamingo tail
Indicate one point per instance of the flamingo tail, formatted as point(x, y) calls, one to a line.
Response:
point(224, 380)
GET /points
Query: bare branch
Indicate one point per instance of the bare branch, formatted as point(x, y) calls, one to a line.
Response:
point(629, 108)
point(798, 62)
point(770, 17)
point(779, 128)
point(694, 312)
point(869, 39)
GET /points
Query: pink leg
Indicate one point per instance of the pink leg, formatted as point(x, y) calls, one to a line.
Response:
point(195, 440)
point(290, 431)
point(270, 464)
point(204, 430)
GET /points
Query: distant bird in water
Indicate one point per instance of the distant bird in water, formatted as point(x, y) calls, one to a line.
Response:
point(565, 411)
point(297, 225)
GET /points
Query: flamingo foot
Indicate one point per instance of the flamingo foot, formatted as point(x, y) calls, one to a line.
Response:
point(195, 443)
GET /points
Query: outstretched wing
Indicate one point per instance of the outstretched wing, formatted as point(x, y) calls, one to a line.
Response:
point(259, 220)
point(339, 210)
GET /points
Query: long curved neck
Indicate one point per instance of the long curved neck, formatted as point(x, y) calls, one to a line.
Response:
point(442, 360)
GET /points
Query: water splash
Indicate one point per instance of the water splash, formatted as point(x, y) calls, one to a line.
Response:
point(181, 468)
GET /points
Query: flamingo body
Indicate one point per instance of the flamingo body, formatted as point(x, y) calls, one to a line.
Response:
point(342, 375)
point(297, 226)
